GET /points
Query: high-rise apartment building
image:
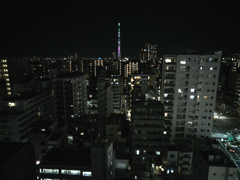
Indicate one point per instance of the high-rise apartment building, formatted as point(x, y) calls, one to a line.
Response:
point(150, 53)
point(10, 72)
point(189, 87)
point(70, 96)
point(105, 99)
point(147, 135)
point(116, 84)
point(19, 114)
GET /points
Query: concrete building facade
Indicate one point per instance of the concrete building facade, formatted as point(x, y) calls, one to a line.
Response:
point(147, 126)
point(70, 96)
point(189, 87)
point(19, 114)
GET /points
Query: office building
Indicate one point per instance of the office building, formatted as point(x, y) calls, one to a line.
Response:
point(189, 87)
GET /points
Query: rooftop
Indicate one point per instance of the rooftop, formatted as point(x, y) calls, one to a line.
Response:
point(122, 151)
point(67, 156)
point(69, 75)
point(216, 158)
point(55, 136)
point(25, 96)
point(10, 149)
point(182, 146)
point(171, 148)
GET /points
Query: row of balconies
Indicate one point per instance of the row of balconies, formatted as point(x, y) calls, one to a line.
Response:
point(146, 159)
point(172, 61)
point(148, 125)
point(4, 127)
point(135, 139)
point(168, 103)
point(148, 145)
point(168, 90)
point(29, 120)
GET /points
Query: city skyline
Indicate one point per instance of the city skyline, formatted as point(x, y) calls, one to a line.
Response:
point(58, 29)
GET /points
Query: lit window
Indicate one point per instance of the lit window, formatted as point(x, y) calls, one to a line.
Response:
point(70, 172)
point(180, 91)
point(205, 97)
point(192, 96)
point(87, 173)
point(11, 104)
point(158, 152)
point(192, 90)
point(9, 93)
point(211, 68)
point(43, 130)
point(183, 61)
point(7, 79)
point(49, 171)
point(167, 60)
point(6, 75)
point(137, 152)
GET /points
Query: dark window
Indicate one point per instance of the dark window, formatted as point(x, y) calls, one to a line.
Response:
point(172, 156)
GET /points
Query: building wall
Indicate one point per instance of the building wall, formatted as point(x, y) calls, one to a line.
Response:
point(105, 102)
point(222, 173)
point(21, 166)
point(200, 167)
point(70, 97)
point(147, 133)
point(189, 94)
point(21, 114)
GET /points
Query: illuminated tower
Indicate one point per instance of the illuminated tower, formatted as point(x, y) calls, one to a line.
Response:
point(119, 42)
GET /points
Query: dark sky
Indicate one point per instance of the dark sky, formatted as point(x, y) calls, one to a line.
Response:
point(89, 27)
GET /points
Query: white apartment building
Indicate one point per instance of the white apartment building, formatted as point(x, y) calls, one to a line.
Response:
point(189, 88)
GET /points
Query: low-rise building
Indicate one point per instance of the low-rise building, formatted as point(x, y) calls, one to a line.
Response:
point(17, 161)
point(209, 162)
point(94, 161)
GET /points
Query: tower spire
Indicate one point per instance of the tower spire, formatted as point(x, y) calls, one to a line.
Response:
point(119, 42)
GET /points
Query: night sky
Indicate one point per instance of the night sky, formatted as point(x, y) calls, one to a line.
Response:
point(89, 27)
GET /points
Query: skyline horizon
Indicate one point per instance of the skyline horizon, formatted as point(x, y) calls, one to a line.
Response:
point(91, 28)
